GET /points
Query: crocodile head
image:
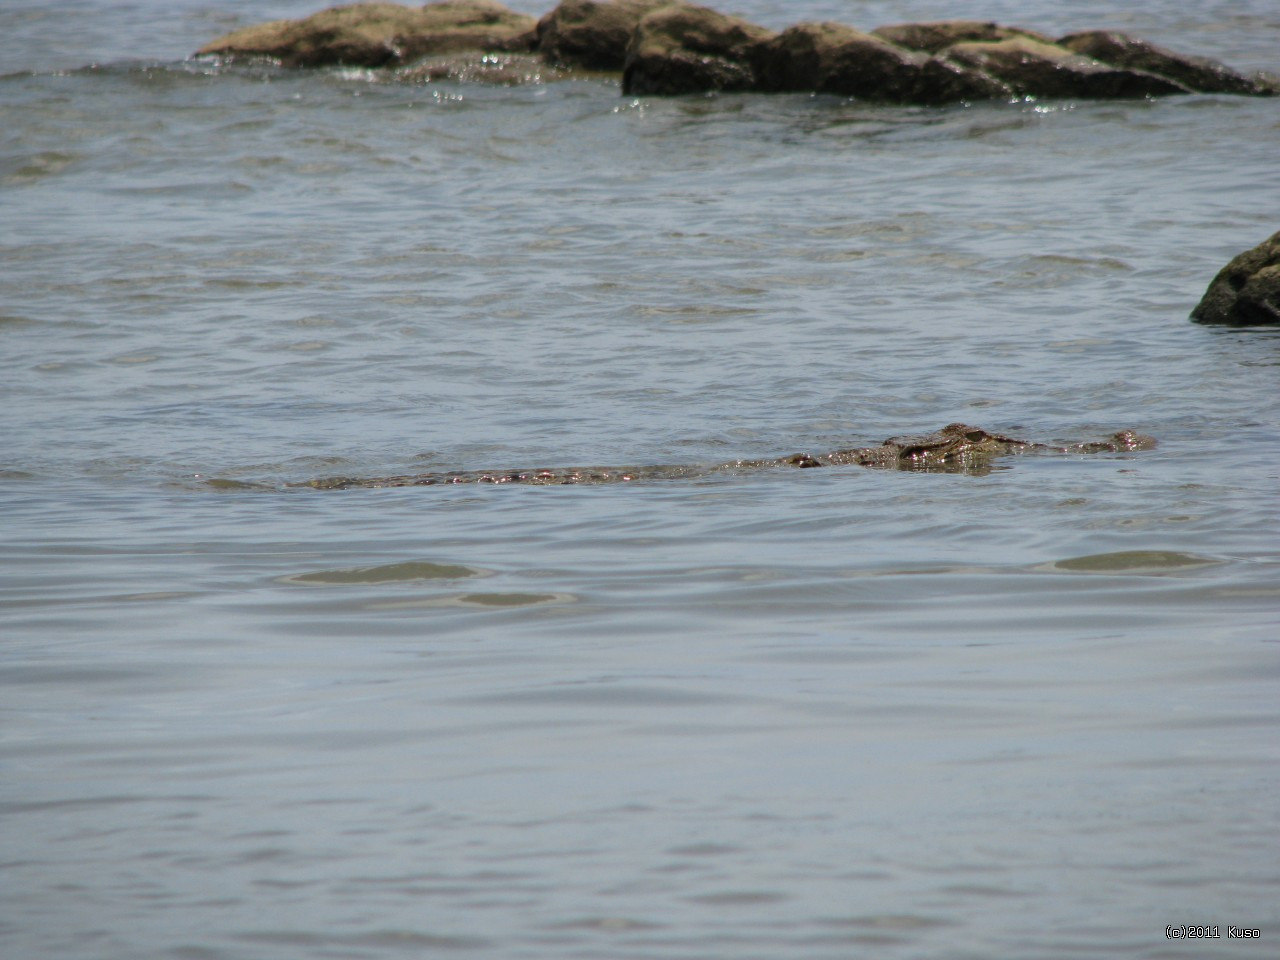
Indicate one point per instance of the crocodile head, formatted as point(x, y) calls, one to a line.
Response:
point(955, 444)
point(956, 447)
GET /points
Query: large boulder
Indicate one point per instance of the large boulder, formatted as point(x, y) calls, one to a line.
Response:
point(1195, 73)
point(1246, 292)
point(943, 81)
point(690, 49)
point(936, 35)
point(1036, 69)
point(591, 34)
point(799, 58)
point(872, 69)
point(833, 58)
point(381, 34)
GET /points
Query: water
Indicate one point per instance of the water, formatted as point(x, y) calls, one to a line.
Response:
point(824, 713)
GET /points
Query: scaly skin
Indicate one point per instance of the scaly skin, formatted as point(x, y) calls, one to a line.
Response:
point(956, 448)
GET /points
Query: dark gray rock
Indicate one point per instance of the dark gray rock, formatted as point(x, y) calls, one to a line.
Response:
point(797, 59)
point(690, 49)
point(1195, 73)
point(1246, 292)
point(936, 35)
point(591, 34)
point(834, 58)
point(1035, 69)
point(872, 69)
point(381, 34)
point(944, 81)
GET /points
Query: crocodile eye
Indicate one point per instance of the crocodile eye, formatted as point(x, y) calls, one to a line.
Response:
point(802, 460)
point(975, 435)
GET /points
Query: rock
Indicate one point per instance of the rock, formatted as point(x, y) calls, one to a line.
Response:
point(1035, 69)
point(1195, 73)
point(689, 49)
point(833, 58)
point(453, 25)
point(364, 34)
point(939, 34)
point(873, 69)
point(945, 81)
point(1246, 292)
point(797, 60)
point(590, 34)
point(381, 34)
point(674, 47)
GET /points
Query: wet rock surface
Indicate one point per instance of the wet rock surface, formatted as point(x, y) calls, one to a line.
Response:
point(687, 49)
point(591, 34)
point(1032, 68)
point(1246, 292)
point(381, 34)
point(834, 58)
point(1194, 73)
point(935, 36)
point(669, 47)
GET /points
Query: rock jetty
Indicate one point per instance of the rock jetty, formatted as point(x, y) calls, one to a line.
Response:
point(667, 48)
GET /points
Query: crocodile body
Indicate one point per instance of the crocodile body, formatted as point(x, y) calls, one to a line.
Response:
point(956, 448)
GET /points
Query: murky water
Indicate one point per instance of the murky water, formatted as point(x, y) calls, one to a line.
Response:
point(828, 713)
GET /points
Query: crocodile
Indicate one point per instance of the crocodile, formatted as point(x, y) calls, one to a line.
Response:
point(956, 448)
